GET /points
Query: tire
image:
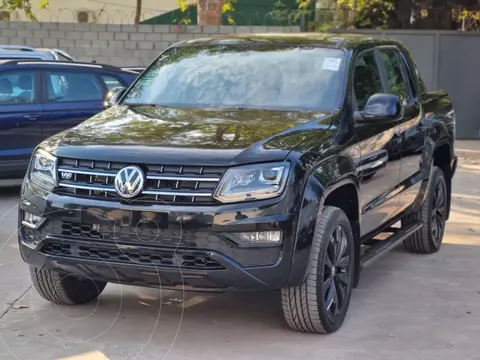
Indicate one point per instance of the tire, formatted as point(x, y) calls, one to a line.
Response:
point(433, 216)
point(65, 289)
point(308, 307)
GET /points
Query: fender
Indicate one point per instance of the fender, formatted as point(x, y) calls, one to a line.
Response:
point(437, 135)
point(331, 174)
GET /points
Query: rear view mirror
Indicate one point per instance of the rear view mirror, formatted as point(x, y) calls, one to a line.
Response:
point(113, 96)
point(382, 107)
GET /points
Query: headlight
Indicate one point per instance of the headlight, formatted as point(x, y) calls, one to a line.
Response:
point(43, 170)
point(252, 182)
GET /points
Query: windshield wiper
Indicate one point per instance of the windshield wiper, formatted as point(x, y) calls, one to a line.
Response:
point(147, 105)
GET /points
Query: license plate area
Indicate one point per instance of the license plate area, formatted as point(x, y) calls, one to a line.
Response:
point(130, 219)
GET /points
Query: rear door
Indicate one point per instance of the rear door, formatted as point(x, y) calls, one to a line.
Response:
point(69, 98)
point(20, 110)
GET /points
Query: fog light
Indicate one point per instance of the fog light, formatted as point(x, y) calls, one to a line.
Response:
point(32, 221)
point(263, 237)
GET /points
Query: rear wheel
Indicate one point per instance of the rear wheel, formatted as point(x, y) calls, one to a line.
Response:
point(65, 289)
point(433, 216)
point(320, 304)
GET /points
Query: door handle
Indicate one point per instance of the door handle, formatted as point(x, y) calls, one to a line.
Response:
point(31, 117)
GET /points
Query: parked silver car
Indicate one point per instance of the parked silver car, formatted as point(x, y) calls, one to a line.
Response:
point(35, 53)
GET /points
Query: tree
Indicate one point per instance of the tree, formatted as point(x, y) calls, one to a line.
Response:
point(210, 12)
point(138, 12)
point(25, 5)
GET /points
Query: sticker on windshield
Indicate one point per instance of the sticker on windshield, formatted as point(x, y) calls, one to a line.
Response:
point(332, 64)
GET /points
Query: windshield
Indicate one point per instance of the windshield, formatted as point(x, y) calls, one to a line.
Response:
point(258, 77)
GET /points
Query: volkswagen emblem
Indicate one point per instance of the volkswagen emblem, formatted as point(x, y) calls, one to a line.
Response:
point(129, 182)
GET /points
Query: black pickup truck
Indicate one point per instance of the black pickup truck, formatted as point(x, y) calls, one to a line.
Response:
point(252, 162)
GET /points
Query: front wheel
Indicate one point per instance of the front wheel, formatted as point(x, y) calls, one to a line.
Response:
point(320, 304)
point(65, 289)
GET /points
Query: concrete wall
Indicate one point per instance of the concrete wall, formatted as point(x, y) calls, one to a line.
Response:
point(447, 60)
point(124, 45)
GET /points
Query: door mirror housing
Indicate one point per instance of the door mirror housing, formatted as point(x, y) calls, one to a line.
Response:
point(382, 107)
point(113, 96)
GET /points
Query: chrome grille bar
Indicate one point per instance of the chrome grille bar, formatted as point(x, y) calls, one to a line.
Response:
point(87, 187)
point(181, 178)
point(87, 172)
point(176, 193)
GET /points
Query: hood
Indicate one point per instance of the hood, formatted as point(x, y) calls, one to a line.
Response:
point(163, 135)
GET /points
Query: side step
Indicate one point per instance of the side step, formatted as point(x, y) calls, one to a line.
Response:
point(381, 247)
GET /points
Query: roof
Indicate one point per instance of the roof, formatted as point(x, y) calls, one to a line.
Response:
point(336, 40)
point(17, 47)
point(46, 53)
point(57, 63)
point(16, 53)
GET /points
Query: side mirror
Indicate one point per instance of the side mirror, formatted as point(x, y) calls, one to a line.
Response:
point(113, 96)
point(382, 107)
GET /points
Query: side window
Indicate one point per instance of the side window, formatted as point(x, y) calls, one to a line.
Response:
point(396, 81)
point(17, 87)
point(111, 81)
point(70, 86)
point(366, 79)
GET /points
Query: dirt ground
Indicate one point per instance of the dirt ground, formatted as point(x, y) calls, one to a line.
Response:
point(406, 307)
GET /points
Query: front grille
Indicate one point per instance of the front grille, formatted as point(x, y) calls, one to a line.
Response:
point(164, 183)
point(150, 257)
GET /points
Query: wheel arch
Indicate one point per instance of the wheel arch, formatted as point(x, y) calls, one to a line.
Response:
point(321, 191)
point(443, 158)
point(438, 151)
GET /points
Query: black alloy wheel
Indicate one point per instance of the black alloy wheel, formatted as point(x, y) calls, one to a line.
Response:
point(336, 276)
point(439, 210)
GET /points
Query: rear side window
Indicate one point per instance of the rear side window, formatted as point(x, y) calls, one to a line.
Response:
point(111, 81)
point(397, 82)
point(17, 87)
point(69, 86)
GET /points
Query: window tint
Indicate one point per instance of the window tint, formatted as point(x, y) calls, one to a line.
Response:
point(17, 87)
point(64, 86)
point(111, 81)
point(396, 81)
point(366, 79)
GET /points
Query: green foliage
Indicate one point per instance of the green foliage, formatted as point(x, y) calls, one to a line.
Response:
point(383, 14)
point(288, 15)
point(25, 5)
point(369, 13)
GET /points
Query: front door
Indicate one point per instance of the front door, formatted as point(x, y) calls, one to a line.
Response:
point(20, 109)
point(380, 145)
point(69, 98)
point(411, 127)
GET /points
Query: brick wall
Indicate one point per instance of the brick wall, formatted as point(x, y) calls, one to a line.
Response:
point(125, 45)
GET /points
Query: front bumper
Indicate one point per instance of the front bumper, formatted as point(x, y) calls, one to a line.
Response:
point(159, 245)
